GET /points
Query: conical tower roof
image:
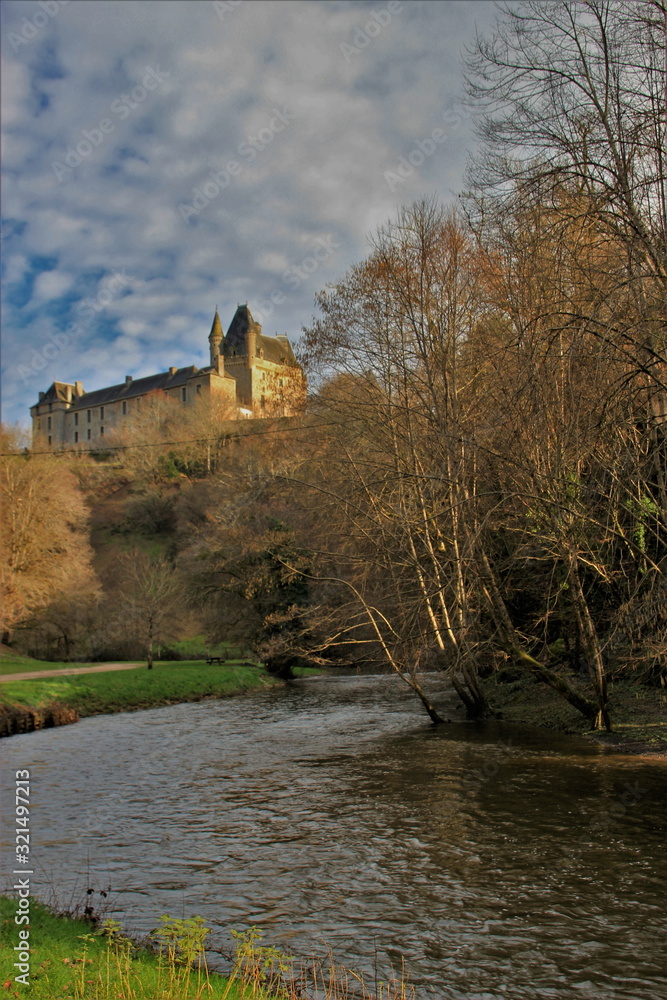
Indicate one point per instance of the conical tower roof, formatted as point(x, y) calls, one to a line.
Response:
point(216, 330)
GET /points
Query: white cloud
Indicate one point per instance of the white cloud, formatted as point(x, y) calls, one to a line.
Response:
point(52, 284)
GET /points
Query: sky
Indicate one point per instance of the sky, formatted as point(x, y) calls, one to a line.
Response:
point(160, 159)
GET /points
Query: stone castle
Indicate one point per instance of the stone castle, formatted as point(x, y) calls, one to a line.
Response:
point(249, 375)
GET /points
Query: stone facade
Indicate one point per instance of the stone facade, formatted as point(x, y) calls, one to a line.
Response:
point(250, 375)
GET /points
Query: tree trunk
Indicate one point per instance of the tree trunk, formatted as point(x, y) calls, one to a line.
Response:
point(509, 644)
point(589, 641)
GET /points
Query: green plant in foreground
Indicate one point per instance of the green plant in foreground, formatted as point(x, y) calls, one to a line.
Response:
point(260, 968)
point(182, 944)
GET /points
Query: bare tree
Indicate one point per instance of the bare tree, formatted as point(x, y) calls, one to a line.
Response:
point(148, 600)
point(44, 531)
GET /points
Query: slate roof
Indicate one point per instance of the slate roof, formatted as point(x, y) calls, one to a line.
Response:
point(276, 349)
point(57, 393)
point(137, 387)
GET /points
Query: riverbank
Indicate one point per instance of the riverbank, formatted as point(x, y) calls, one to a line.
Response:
point(638, 713)
point(62, 955)
point(72, 959)
point(27, 705)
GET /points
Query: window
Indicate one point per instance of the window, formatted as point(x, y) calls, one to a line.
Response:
point(101, 413)
point(39, 425)
point(76, 419)
point(101, 431)
point(88, 419)
point(184, 394)
point(89, 433)
point(49, 439)
point(124, 407)
point(198, 389)
point(76, 437)
point(262, 401)
point(50, 407)
point(48, 423)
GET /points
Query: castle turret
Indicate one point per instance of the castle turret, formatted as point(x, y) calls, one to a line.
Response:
point(215, 339)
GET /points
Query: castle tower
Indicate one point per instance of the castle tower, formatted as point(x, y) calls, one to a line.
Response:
point(215, 339)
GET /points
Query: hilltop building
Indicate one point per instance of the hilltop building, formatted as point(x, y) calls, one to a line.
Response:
point(254, 375)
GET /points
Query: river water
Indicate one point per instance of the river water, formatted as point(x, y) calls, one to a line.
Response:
point(492, 861)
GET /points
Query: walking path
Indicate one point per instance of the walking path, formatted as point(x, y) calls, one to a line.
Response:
point(99, 668)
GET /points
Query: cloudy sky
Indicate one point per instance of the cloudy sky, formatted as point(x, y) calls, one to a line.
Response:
point(162, 158)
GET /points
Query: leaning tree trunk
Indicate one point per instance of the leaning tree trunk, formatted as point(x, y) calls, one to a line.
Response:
point(512, 646)
point(590, 643)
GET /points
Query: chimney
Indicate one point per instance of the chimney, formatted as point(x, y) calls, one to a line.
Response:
point(78, 388)
point(172, 371)
point(41, 396)
point(128, 379)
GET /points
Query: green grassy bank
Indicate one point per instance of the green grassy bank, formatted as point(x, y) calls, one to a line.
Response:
point(35, 704)
point(74, 959)
point(71, 959)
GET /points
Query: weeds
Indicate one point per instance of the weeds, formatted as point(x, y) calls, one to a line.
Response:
point(72, 959)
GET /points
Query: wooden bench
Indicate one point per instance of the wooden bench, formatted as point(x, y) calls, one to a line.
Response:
point(214, 659)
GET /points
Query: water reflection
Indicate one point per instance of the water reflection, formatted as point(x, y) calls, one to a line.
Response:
point(495, 861)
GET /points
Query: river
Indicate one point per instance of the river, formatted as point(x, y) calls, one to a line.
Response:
point(494, 861)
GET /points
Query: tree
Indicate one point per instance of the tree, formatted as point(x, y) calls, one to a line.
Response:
point(164, 438)
point(242, 562)
point(404, 480)
point(571, 96)
point(148, 600)
point(44, 529)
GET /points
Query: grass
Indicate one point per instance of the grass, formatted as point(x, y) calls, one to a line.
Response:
point(168, 683)
point(74, 959)
point(126, 690)
point(70, 961)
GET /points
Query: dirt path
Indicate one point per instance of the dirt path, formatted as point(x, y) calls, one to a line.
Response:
point(99, 668)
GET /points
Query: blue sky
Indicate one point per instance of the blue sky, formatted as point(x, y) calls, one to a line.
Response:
point(162, 158)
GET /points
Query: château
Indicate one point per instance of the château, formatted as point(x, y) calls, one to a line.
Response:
point(249, 375)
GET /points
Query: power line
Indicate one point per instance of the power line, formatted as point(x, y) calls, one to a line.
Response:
point(165, 444)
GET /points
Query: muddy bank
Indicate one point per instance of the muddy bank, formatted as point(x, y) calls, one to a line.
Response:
point(15, 719)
